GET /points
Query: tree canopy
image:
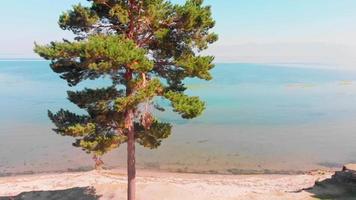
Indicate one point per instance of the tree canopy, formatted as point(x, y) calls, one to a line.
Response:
point(146, 48)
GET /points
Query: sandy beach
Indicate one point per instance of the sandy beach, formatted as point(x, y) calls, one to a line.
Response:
point(111, 184)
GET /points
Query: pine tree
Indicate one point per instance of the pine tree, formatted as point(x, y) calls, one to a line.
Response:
point(146, 48)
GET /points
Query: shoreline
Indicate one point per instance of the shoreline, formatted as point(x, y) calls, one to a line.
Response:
point(111, 184)
point(227, 172)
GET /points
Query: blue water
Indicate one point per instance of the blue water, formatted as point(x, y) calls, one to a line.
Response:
point(257, 117)
point(255, 94)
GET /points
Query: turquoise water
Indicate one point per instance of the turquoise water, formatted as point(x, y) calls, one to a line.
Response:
point(259, 118)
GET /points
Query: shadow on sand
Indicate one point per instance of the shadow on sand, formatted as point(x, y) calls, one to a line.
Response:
point(334, 189)
point(86, 193)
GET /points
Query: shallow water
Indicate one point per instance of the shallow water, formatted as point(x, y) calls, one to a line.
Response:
point(259, 118)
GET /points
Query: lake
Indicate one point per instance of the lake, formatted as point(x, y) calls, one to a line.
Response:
point(259, 119)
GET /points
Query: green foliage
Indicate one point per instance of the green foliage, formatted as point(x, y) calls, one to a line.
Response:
point(64, 119)
point(99, 53)
point(99, 144)
point(188, 107)
point(197, 66)
point(92, 137)
point(80, 130)
point(80, 19)
point(120, 13)
point(152, 89)
point(152, 137)
point(147, 48)
point(91, 97)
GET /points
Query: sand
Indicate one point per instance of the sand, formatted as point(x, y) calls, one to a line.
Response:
point(106, 185)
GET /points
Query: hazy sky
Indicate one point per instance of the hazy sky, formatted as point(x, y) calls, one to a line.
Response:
point(249, 30)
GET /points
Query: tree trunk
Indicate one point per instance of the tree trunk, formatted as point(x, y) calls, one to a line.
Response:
point(98, 162)
point(131, 168)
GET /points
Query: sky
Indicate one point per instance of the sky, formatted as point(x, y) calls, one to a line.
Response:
point(290, 31)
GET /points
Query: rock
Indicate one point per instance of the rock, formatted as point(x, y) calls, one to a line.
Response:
point(350, 168)
point(350, 171)
point(342, 183)
point(347, 175)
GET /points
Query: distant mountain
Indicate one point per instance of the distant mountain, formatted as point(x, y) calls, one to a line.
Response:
point(332, 55)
